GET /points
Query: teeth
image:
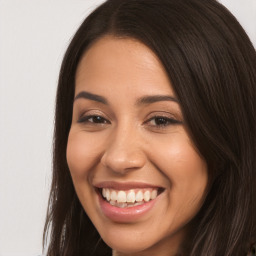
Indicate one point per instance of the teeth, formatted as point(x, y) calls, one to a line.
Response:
point(131, 196)
point(112, 202)
point(107, 194)
point(121, 197)
point(122, 205)
point(146, 196)
point(104, 192)
point(128, 198)
point(113, 195)
point(139, 196)
point(153, 194)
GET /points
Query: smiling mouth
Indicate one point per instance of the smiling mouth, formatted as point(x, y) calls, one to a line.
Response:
point(129, 198)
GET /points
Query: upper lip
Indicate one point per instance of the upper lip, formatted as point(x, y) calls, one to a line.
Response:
point(124, 185)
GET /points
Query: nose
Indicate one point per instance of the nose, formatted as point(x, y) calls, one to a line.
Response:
point(123, 152)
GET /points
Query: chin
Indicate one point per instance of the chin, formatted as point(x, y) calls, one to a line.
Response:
point(136, 238)
point(126, 243)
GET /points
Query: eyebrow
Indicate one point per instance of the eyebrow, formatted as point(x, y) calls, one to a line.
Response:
point(91, 96)
point(141, 101)
point(155, 98)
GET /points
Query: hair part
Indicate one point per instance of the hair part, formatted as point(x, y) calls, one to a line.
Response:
point(211, 64)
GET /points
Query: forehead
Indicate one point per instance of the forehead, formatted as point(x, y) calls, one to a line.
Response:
point(121, 64)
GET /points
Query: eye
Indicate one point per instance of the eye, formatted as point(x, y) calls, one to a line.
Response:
point(162, 121)
point(93, 119)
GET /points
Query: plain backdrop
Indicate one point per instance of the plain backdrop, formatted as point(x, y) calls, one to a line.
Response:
point(33, 38)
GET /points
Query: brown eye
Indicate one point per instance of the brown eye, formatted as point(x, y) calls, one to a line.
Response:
point(162, 121)
point(94, 119)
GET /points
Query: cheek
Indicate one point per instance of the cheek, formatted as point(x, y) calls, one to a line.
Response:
point(177, 157)
point(186, 168)
point(82, 153)
point(186, 172)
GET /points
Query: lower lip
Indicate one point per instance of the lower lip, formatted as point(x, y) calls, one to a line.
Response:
point(127, 214)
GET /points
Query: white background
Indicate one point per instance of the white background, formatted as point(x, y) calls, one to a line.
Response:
point(33, 38)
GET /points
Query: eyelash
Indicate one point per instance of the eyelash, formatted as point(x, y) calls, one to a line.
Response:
point(164, 121)
point(85, 119)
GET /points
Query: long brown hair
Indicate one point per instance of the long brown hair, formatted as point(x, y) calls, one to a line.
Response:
point(212, 65)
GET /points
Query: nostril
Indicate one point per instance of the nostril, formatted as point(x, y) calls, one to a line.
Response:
point(123, 153)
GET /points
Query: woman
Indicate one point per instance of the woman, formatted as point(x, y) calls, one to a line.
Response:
point(154, 149)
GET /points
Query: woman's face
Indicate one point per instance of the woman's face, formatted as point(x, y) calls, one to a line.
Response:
point(135, 170)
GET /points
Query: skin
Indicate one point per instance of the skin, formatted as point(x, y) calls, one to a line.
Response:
point(125, 142)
